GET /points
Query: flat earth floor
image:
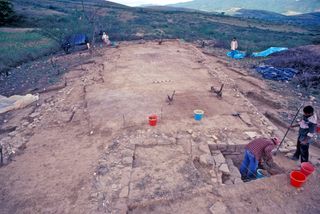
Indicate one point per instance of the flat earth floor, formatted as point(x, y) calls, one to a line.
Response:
point(88, 148)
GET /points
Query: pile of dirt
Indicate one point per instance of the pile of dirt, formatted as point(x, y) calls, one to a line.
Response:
point(304, 59)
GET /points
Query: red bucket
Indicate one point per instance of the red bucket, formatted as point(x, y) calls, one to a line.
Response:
point(153, 120)
point(318, 128)
point(307, 168)
point(297, 178)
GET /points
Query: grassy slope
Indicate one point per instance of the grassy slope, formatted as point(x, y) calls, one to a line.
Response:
point(125, 23)
point(282, 6)
point(22, 46)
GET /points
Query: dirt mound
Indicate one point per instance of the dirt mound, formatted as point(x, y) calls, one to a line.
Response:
point(304, 59)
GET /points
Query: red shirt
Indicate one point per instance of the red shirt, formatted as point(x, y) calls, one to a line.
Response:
point(261, 147)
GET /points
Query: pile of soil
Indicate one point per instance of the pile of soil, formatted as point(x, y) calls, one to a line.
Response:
point(304, 59)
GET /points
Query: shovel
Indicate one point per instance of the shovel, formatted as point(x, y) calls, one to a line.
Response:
point(237, 114)
point(284, 137)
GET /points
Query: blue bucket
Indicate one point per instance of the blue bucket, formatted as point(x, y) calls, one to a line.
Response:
point(260, 174)
point(198, 114)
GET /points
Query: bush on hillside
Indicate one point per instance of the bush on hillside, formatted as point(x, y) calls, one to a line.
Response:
point(7, 14)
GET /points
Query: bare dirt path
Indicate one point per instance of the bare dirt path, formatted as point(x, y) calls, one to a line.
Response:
point(89, 148)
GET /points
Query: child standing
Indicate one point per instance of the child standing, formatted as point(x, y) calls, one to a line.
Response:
point(307, 131)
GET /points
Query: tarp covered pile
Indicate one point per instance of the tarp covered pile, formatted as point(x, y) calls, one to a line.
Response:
point(279, 74)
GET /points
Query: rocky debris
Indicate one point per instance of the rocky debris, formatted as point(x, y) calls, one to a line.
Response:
point(224, 169)
point(34, 114)
point(218, 158)
point(203, 147)
point(206, 160)
point(235, 175)
point(251, 135)
point(189, 131)
point(218, 208)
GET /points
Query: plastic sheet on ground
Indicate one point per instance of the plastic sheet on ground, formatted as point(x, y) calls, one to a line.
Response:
point(279, 74)
point(16, 102)
point(237, 54)
point(78, 39)
point(269, 51)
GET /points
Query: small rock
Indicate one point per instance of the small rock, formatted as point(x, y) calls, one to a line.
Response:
point(194, 135)
point(214, 137)
point(124, 192)
point(31, 126)
point(25, 123)
point(312, 98)
point(204, 148)
point(213, 173)
point(251, 135)
point(127, 160)
point(34, 114)
point(12, 134)
point(270, 128)
point(284, 150)
point(189, 131)
point(238, 181)
point(210, 143)
point(228, 182)
point(91, 133)
point(289, 155)
point(206, 159)
point(218, 208)
point(114, 187)
point(219, 159)
point(214, 180)
point(224, 169)
point(292, 148)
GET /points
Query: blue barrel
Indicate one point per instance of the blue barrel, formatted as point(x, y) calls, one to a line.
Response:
point(198, 114)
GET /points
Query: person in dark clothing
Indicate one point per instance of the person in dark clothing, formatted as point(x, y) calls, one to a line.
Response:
point(255, 151)
point(307, 132)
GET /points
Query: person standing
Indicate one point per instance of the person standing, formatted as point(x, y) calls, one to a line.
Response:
point(234, 46)
point(105, 38)
point(307, 131)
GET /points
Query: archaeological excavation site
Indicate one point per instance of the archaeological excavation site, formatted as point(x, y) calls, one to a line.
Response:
point(151, 128)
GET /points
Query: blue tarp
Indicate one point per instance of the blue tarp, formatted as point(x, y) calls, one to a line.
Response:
point(236, 55)
point(77, 39)
point(268, 51)
point(272, 73)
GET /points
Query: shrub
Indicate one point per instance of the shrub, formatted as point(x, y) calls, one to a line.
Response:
point(7, 14)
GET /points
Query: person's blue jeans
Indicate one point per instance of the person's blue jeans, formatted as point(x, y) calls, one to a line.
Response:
point(249, 165)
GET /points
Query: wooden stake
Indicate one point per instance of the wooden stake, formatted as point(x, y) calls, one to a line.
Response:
point(124, 121)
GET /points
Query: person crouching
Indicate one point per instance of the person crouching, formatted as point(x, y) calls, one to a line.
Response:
point(255, 151)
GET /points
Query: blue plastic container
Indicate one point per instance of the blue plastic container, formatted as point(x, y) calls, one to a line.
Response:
point(198, 114)
point(259, 174)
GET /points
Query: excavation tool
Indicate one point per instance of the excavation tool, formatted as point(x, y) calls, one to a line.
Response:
point(1, 156)
point(237, 114)
point(218, 92)
point(285, 135)
point(170, 98)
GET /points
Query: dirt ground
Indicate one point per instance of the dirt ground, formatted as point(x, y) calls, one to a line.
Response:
point(88, 148)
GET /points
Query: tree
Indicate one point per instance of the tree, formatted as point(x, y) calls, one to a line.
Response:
point(6, 12)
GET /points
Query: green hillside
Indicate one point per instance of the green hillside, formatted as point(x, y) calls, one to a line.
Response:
point(278, 6)
point(50, 21)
